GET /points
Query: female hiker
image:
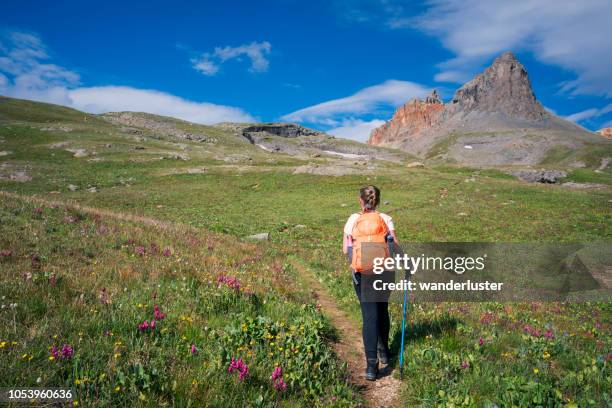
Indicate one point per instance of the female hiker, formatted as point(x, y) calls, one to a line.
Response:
point(374, 228)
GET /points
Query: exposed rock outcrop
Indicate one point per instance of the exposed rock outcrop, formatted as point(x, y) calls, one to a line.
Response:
point(606, 132)
point(540, 176)
point(409, 121)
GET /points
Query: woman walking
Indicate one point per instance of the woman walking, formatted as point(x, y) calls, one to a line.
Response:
point(374, 228)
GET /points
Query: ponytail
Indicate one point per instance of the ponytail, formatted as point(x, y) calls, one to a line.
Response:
point(370, 196)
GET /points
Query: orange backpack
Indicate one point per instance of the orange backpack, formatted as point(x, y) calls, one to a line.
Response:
point(369, 229)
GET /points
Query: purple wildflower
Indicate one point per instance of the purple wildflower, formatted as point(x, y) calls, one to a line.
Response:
point(55, 352)
point(465, 365)
point(530, 330)
point(277, 373)
point(67, 351)
point(240, 366)
point(140, 250)
point(158, 314)
point(228, 281)
point(280, 385)
point(166, 252)
point(6, 253)
point(277, 379)
point(481, 341)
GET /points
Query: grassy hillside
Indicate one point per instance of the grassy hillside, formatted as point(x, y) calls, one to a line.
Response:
point(213, 195)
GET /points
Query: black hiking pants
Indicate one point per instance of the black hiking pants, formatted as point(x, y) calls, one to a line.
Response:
point(376, 323)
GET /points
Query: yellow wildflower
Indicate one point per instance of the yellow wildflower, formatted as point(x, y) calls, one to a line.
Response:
point(535, 371)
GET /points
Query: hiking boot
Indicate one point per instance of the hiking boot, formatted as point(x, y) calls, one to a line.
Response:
point(383, 353)
point(383, 357)
point(371, 370)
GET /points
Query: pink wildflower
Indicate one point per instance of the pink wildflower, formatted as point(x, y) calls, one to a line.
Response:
point(52, 279)
point(228, 281)
point(280, 385)
point(481, 341)
point(487, 318)
point(5, 253)
point(465, 365)
point(166, 252)
point(158, 314)
point(549, 334)
point(67, 351)
point(240, 366)
point(152, 325)
point(532, 331)
point(38, 210)
point(277, 373)
point(140, 250)
point(277, 379)
point(194, 349)
point(143, 326)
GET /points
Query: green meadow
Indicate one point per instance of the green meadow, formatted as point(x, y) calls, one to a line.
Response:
point(144, 228)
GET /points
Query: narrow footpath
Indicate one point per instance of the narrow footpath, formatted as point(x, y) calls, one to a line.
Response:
point(381, 393)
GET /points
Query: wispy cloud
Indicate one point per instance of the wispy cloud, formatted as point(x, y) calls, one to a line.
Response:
point(123, 98)
point(210, 63)
point(572, 35)
point(356, 129)
point(591, 113)
point(25, 72)
point(391, 93)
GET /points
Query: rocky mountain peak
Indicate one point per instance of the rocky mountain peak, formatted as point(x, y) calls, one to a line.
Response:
point(433, 97)
point(504, 88)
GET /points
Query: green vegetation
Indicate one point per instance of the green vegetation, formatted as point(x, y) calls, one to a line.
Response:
point(78, 275)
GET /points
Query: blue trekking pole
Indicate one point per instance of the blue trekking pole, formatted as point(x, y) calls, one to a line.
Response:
point(401, 356)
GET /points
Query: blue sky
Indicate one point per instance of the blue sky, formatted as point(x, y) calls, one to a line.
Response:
point(340, 66)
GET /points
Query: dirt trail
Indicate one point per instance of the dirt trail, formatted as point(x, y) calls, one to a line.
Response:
point(381, 393)
point(378, 394)
point(99, 211)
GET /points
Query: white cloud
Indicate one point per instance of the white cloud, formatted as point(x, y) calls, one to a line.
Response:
point(356, 129)
point(206, 67)
point(366, 101)
point(121, 98)
point(25, 73)
point(209, 63)
point(591, 113)
point(574, 35)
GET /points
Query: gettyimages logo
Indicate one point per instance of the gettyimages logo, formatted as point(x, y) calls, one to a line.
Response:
point(459, 264)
